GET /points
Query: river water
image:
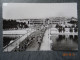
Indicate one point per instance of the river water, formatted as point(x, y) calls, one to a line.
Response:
point(64, 42)
point(7, 39)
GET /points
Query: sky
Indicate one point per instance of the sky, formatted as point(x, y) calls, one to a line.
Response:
point(38, 10)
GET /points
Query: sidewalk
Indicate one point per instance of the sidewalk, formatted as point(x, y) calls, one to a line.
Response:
point(46, 43)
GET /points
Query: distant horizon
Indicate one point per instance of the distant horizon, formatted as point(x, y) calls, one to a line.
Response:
point(43, 18)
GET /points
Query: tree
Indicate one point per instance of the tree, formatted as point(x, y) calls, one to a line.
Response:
point(57, 26)
point(75, 30)
point(71, 30)
point(63, 29)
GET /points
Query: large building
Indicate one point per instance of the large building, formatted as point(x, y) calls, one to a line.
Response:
point(51, 20)
point(35, 21)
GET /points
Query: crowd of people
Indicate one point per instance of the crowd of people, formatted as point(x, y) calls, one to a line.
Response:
point(37, 35)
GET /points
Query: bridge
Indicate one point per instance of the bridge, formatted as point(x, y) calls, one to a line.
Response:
point(11, 46)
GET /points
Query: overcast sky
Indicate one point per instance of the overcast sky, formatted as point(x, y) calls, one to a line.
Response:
point(38, 10)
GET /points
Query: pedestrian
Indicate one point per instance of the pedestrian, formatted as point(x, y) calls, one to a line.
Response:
point(39, 40)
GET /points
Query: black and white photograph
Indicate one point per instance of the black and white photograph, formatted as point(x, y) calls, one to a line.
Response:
point(40, 27)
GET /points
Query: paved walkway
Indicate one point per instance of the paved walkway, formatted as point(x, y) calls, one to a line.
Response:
point(46, 43)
